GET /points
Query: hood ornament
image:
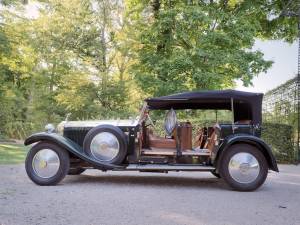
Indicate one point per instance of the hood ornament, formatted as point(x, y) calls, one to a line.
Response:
point(67, 117)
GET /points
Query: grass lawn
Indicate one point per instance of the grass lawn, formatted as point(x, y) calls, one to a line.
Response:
point(12, 153)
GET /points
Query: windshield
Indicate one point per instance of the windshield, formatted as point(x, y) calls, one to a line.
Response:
point(143, 113)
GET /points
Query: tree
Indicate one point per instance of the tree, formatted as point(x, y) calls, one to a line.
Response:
point(193, 45)
point(17, 61)
point(85, 30)
point(71, 58)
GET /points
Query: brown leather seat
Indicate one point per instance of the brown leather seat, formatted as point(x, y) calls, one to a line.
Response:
point(185, 136)
point(160, 142)
point(155, 141)
point(210, 144)
point(199, 139)
point(211, 140)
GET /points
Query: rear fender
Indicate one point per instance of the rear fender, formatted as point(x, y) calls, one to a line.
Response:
point(247, 139)
point(70, 146)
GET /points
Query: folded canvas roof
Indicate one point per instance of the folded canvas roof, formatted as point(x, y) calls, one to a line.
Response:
point(247, 105)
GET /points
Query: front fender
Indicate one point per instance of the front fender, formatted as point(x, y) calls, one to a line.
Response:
point(248, 139)
point(70, 146)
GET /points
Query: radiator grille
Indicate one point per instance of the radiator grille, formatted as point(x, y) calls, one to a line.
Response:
point(76, 134)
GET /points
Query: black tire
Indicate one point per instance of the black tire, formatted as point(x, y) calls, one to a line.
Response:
point(243, 148)
point(215, 174)
point(76, 171)
point(63, 169)
point(117, 132)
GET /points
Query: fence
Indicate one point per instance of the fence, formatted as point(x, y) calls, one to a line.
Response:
point(281, 106)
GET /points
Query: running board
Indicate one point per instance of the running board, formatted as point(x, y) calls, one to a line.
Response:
point(160, 167)
point(173, 152)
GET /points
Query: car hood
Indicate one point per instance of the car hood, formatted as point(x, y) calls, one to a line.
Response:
point(94, 123)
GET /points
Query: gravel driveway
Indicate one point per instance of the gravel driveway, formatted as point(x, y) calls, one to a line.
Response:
point(147, 198)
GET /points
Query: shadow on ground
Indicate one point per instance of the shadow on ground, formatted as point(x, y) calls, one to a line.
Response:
point(148, 180)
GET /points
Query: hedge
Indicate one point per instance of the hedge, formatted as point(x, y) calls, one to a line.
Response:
point(19, 130)
point(280, 138)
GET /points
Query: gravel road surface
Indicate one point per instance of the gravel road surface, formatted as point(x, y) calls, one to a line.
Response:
point(119, 198)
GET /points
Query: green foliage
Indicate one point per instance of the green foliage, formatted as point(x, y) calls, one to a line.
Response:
point(281, 107)
point(192, 45)
point(70, 59)
point(16, 65)
point(20, 130)
point(12, 153)
point(99, 59)
point(280, 138)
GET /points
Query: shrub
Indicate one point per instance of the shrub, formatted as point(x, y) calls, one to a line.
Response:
point(280, 138)
point(21, 130)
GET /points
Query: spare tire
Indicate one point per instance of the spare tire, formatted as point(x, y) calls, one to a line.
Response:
point(106, 143)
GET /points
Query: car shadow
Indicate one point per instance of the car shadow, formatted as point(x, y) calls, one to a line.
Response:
point(148, 180)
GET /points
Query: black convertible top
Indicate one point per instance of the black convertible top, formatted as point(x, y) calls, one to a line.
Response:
point(247, 105)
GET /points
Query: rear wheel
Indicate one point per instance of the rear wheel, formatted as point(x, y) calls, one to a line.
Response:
point(47, 163)
point(243, 167)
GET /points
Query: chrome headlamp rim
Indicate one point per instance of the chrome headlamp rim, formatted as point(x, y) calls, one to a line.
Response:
point(49, 128)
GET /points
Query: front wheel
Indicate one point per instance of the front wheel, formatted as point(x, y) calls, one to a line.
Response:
point(244, 167)
point(47, 163)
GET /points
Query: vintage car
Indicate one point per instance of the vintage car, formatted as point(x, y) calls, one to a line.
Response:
point(231, 151)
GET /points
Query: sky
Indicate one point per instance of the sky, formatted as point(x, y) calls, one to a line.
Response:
point(285, 66)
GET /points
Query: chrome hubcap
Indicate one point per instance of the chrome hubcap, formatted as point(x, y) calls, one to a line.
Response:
point(105, 146)
point(244, 167)
point(45, 163)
